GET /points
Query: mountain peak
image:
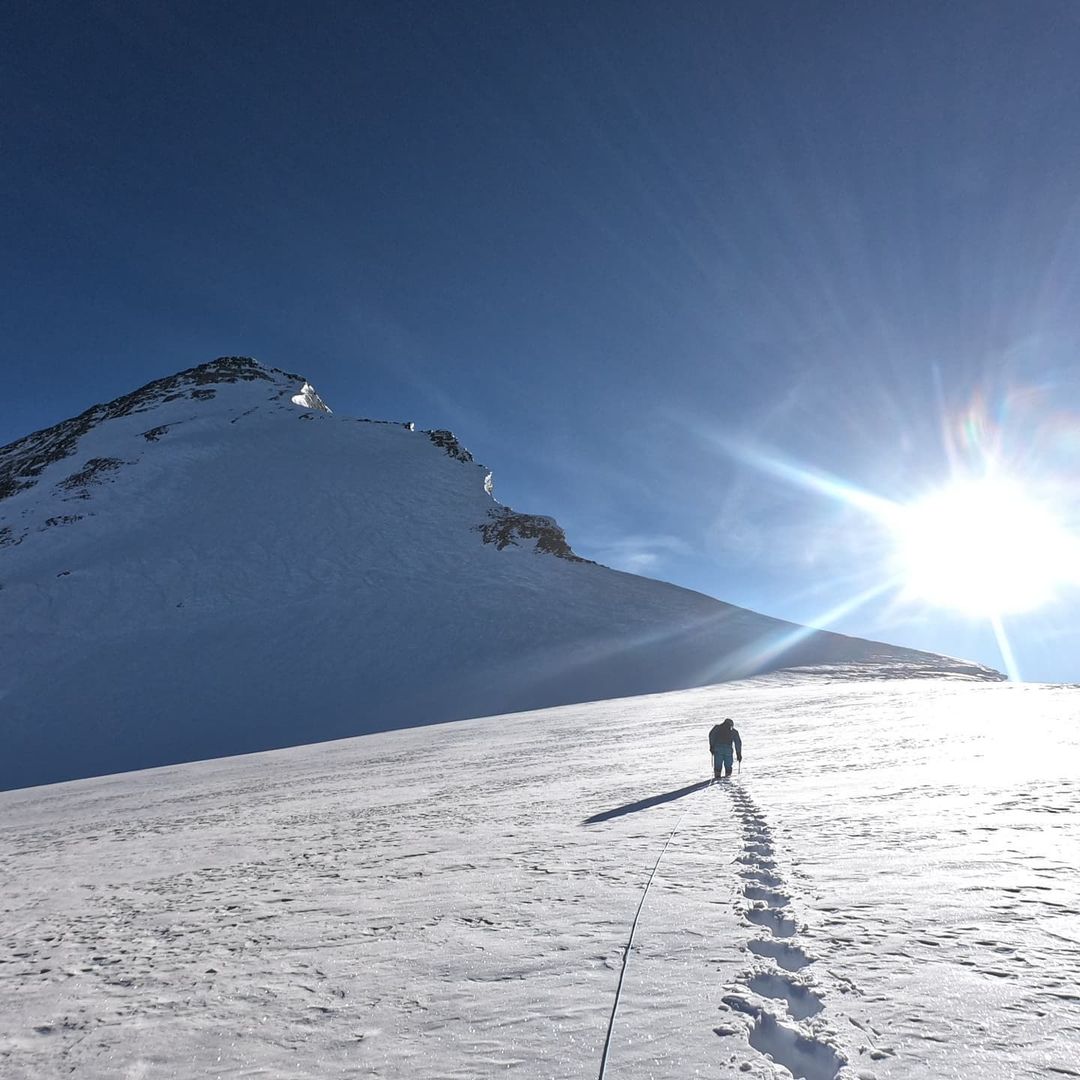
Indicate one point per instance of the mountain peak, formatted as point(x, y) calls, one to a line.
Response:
point(24, 461)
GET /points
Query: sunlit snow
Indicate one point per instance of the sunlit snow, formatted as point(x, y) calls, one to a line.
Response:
point(891, 889)
point(309, 399)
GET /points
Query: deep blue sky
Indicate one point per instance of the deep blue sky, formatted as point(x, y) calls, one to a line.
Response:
point(612, 245)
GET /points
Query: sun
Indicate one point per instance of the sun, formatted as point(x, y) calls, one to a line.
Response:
point(996, 540)
point(982, 547)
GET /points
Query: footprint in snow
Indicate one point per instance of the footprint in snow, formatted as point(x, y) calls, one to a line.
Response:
point(801, 1054)
point(801, 1001)
point(762, 877)
point(771, 897)
point(789, 957)
point(780, 925)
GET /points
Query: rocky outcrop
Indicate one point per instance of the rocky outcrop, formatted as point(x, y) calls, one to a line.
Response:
point(408, 425)
point(447, 440)
point(508, 527)
point(93, 472)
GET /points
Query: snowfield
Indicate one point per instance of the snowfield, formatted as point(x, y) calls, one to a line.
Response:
point(891, 889)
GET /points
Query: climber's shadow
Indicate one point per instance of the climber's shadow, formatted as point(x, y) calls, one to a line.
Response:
point(644, 804)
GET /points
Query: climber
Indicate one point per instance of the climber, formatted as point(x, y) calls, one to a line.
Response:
point(723, 739)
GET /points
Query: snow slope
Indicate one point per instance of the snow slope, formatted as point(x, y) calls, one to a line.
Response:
point(215, 564)
point(891, 890)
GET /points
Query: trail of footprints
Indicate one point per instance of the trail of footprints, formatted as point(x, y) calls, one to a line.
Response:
point(779, 961)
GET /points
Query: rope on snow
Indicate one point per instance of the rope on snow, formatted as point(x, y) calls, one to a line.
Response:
point(630, 940)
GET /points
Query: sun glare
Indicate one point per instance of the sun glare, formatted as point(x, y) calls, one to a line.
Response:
point(982, 547)
point(992, 542)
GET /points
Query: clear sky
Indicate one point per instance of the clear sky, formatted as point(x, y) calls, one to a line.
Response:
point(684, 275)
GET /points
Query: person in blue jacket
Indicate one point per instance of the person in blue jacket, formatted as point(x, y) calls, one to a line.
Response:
point(723, 740)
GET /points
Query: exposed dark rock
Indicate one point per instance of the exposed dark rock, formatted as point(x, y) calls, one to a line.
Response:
point(226, 369)
point(155, 433)
point(203, 395)
point(408, 425)
point(448, 441)
point(8, 537)
point(91, 473)
point(21, 462)
point(64, 519)
point(508, 527)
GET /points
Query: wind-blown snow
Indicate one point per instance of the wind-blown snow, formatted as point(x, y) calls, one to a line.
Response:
point(204, 567)
point(891, 890)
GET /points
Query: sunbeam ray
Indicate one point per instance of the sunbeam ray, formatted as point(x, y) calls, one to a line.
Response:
point(759, 655)
point(1005, 647)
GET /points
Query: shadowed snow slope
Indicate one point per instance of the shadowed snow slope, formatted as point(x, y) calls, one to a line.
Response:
point(889, 891)
point(216, 564)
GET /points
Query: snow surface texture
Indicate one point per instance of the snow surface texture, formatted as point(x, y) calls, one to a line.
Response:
point(890, 890)
point(216, 564)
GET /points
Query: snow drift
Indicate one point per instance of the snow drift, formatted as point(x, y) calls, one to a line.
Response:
point(216, 564)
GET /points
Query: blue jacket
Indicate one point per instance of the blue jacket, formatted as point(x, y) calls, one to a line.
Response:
point(724, 735)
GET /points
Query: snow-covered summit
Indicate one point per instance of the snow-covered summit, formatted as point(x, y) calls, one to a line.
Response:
point(23, 462)
point(216, 563)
